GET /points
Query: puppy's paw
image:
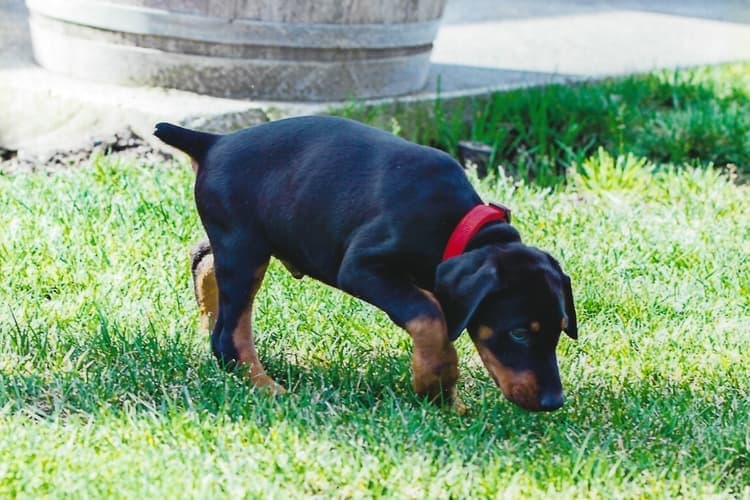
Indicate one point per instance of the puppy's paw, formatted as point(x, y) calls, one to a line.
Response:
point(268, 384)
point(458, 406)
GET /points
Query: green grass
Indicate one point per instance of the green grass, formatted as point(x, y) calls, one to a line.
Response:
point(697, 116)
point(106, 389)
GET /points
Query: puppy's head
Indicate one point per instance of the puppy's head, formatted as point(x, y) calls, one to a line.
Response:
point(514, 300)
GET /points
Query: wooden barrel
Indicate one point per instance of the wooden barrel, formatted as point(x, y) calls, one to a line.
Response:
point(309, 50)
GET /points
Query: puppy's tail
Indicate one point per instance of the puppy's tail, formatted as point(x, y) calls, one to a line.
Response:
point(194, 143)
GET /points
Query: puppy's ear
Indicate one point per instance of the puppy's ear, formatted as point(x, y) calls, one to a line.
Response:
point(461, 284)
point(571, 329)
point(570, 309)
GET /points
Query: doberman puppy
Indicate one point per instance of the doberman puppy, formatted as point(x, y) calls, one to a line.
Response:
point(371, 214)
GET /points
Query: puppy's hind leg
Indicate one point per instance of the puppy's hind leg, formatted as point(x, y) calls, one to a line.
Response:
point(239, 272)
point(204, 284)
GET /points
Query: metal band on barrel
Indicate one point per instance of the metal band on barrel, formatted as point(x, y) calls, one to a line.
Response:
point(147, 21)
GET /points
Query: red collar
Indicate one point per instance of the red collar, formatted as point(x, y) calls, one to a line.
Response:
point(471, 224)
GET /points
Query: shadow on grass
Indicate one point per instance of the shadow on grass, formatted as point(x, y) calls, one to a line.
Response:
point(371, 402)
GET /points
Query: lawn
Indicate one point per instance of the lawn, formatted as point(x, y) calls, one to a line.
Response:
point(108, 390)
point(698, 116)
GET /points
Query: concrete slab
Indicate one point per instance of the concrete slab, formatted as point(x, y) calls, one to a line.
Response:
point(483, 45)
point(595, 39)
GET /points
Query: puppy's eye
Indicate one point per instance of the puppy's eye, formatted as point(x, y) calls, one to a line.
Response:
point(519, 336)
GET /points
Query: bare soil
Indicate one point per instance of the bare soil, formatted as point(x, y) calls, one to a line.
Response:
point(124, 143)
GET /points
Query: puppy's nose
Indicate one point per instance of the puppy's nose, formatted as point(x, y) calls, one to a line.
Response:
point(551, 401)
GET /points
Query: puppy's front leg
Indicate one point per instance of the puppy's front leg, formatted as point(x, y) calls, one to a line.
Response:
point(434, 359)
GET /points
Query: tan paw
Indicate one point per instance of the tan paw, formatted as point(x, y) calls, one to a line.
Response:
point(458, 406)
point(266, 383)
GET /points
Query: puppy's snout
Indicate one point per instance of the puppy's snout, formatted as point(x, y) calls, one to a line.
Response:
point(551, 401)
point(526, 398)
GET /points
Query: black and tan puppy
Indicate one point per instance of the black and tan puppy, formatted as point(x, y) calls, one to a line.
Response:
point(371, 214)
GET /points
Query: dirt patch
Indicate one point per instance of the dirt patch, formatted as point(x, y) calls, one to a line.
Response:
point(125, 144)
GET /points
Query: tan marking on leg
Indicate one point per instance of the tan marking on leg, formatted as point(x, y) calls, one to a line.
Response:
point(456, 404)
point(434, 361)
point(563, 323)
point(242, 338)
point(519, 387)
point(195, 165)
point(206, 292)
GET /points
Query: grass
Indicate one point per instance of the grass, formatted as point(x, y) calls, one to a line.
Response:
point(697, 116)
point(106, 389)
